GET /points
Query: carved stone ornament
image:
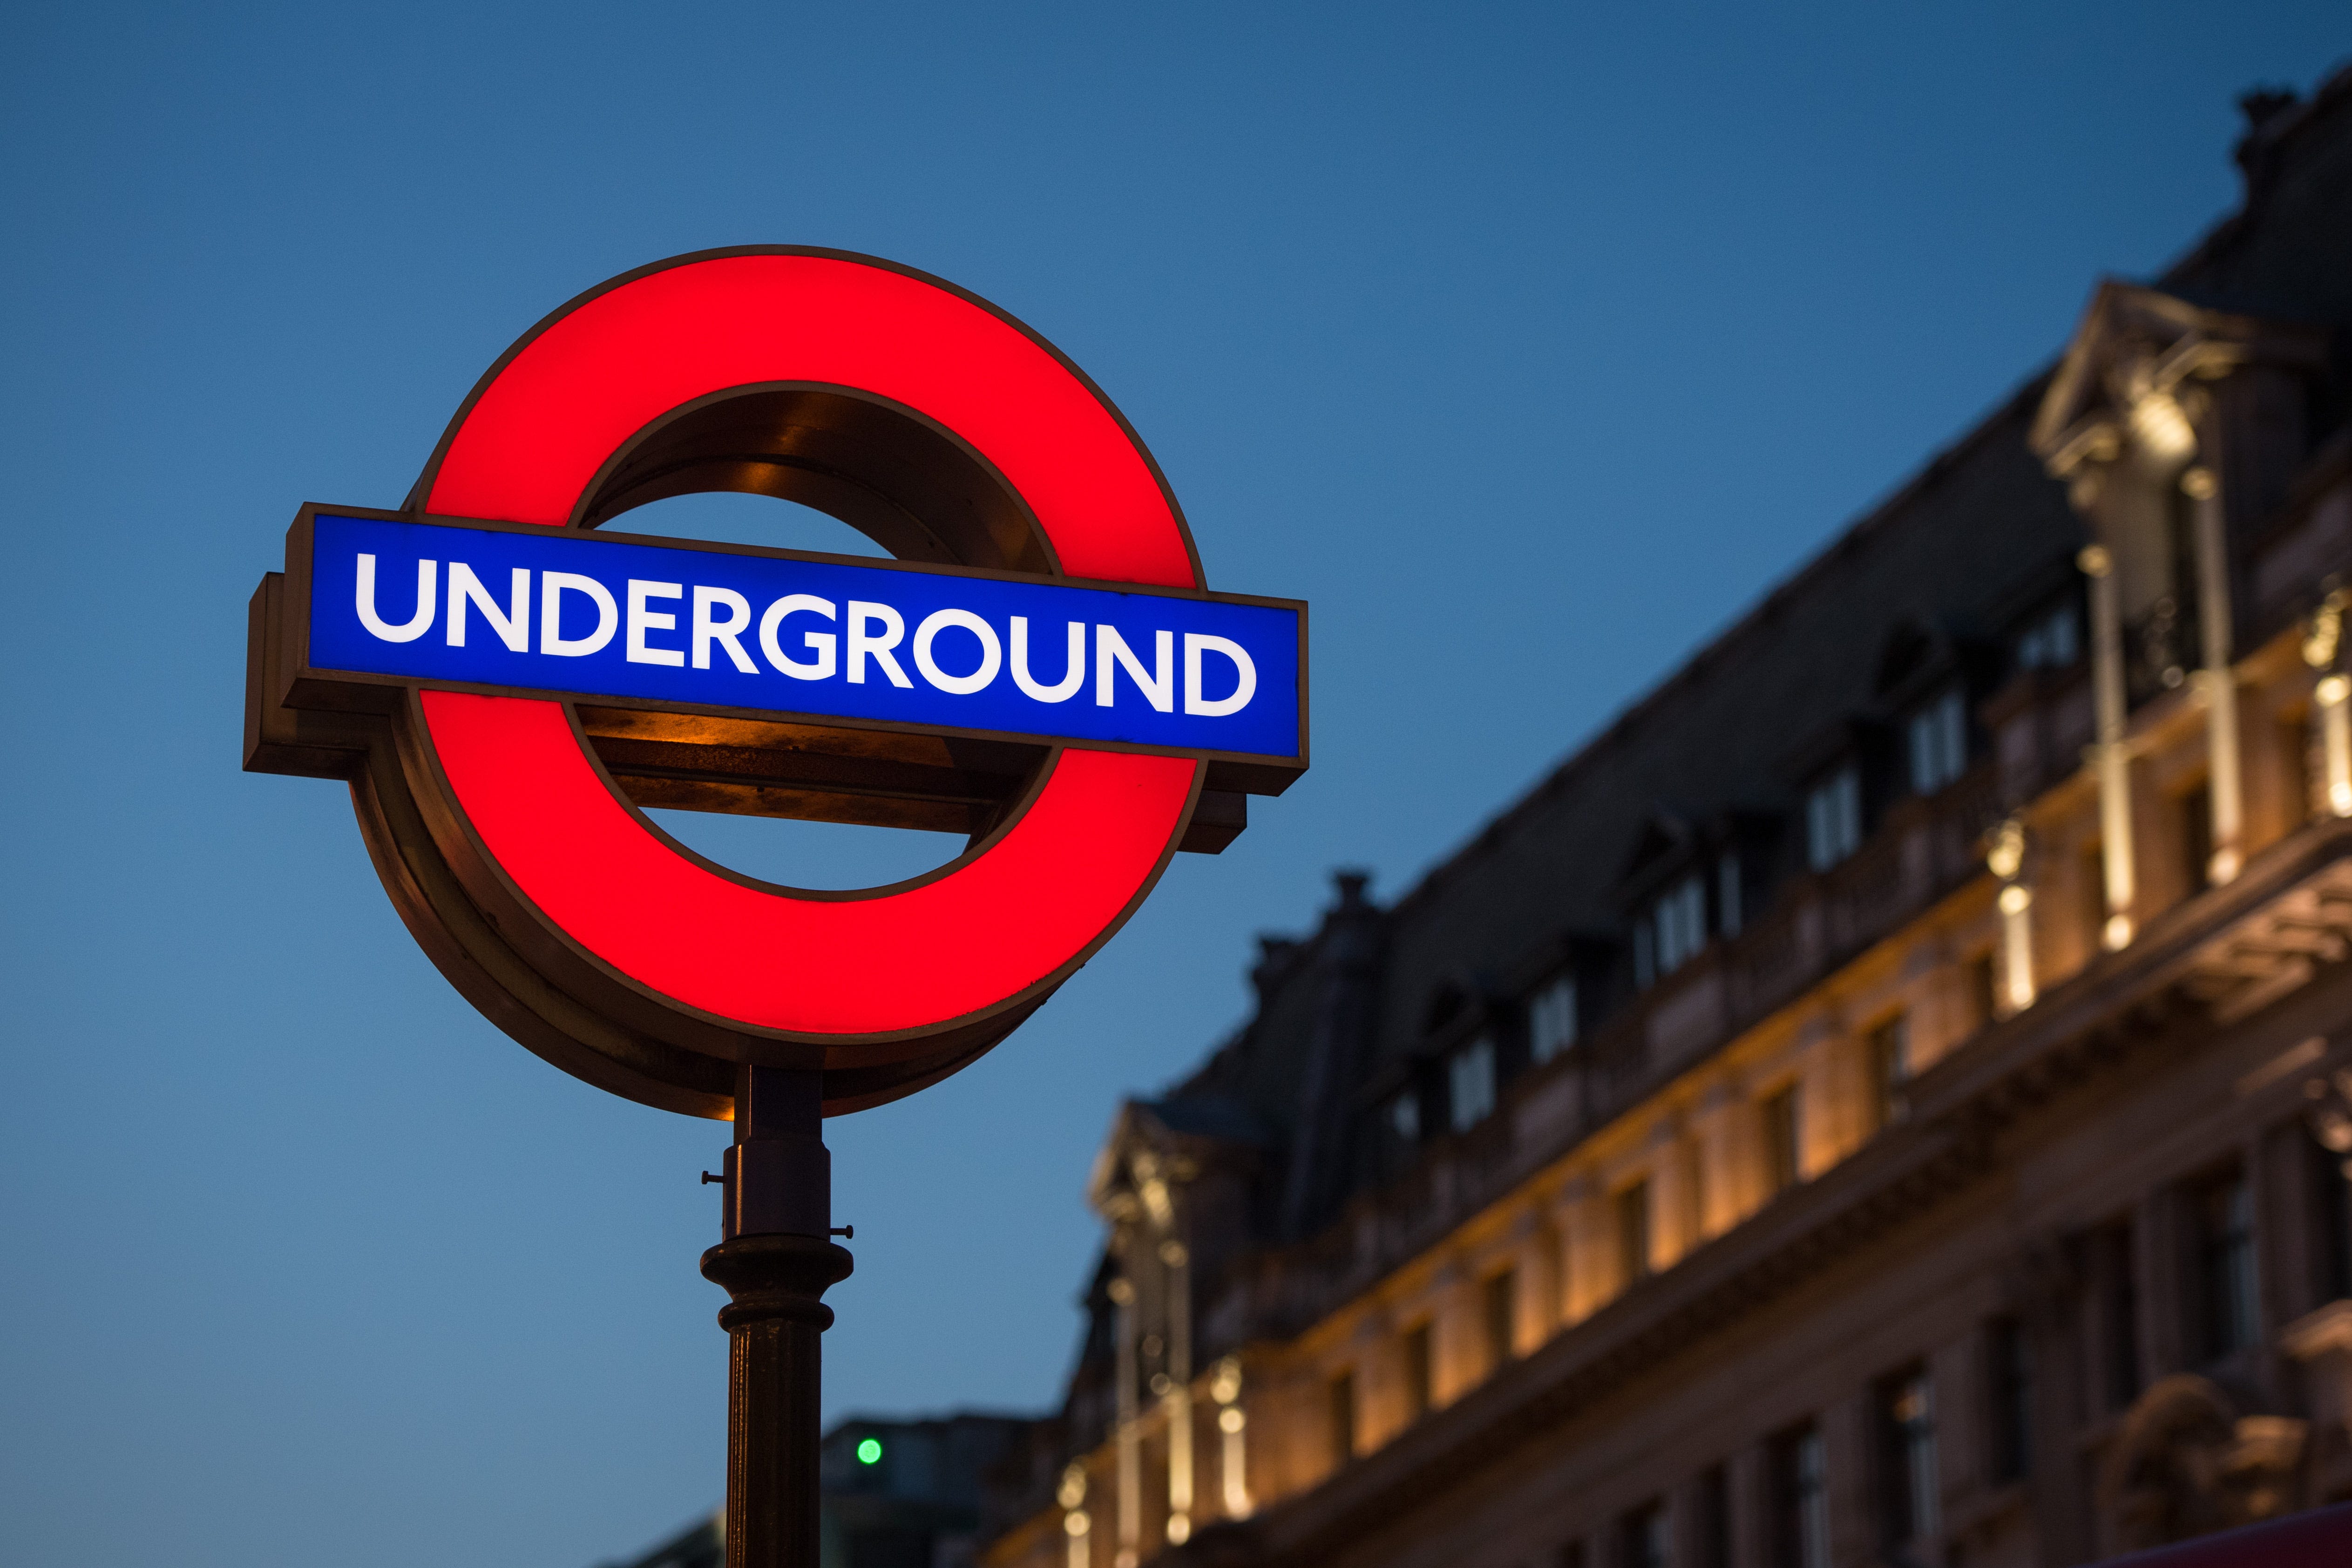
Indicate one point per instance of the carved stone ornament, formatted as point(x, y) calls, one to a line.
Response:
point(2187, 1462)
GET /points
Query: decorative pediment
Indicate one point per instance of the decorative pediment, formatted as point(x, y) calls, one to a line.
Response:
point(1154, 1144)
point(2128, 379)
point(1667, 837)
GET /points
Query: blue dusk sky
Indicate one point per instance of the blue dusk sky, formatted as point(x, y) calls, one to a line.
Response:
point(1528, 343)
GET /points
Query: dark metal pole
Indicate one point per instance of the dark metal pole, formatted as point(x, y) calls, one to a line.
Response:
point(775, 1259)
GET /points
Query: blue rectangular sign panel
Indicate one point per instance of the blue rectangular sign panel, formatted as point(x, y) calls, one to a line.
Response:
point(575, 615)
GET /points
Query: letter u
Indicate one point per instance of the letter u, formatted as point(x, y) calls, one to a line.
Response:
point(383, 630)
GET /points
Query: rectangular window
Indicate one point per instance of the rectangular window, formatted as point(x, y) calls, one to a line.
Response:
point(1797, 1484)
point(2060, 637)
point(1341, 1402)
point(1889, 1050)
point(2333, 1214)
point(1404, 1116)
point(1633, 1234)
point(1711, 1526)
point(1470, 1079)
point(2009, 1378)
point(1680, 918)
point(1501, 1300)
point(1834, 818)
point(1909, 1483)
point(2049, 641)
point(1419, 1372)
point(2116, 1273)
point(1784, 1158)
point(2223, 1214)
point(1641, 1536)
point(1938, 737)
point(1551, 1019)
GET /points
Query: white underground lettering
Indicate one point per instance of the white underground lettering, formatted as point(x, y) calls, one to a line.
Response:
point(871, 634)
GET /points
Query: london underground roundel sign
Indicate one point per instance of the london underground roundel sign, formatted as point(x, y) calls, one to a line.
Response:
point(507, 685)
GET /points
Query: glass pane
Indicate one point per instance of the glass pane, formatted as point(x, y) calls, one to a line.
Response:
point(1552, 1022)
point(1471, 1080)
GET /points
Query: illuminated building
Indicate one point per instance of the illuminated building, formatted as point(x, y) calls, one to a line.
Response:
point(1882, 1099)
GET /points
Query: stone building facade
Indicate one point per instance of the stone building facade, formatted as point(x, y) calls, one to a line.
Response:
point(1883, 1101)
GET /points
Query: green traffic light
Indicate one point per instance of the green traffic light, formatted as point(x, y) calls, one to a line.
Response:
point(869, 1451)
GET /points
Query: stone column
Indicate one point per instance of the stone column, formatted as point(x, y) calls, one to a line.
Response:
point(1130, 1435)
point(1532, 1289)
point(2323, 640)
point(1724, 1183)
point(1826, 1111)
point(2006, 860)
point(1457, 1358)
point(1076, 1523)
point(2218, 680)
point(1177, 1403)
point(1674, 1196)
point(1233, 1426)
point(2110, 755)
point(1582, 1250)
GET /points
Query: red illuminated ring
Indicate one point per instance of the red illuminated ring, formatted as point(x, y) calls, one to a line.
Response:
point(911, 958)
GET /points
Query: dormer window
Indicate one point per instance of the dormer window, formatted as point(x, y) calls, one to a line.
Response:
point(1470, 1084)
point(1551, 1019)
point(1938, 735)
point(1404, 1117)
point(1727, 901)
point(2051, 641)
point(1681, 920)
point(1834, 818)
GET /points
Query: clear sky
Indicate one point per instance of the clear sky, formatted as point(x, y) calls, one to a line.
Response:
point(1528, 343)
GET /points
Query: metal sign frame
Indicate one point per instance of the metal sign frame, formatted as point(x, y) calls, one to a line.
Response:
point(900, 410)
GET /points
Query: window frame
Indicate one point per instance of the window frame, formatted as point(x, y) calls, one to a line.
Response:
point(1645, 1536)
point(1935, 741)
point(2009, 1399)
point(2227, 1264)
point(1910, 1477)
point(2051, 638)
point(1404, 1118)
point(1552, 1021)
point(1834, 824)
point(1711, 1521)
point(1796, 1466)
point(1678, 917)
point(1472, 1084)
